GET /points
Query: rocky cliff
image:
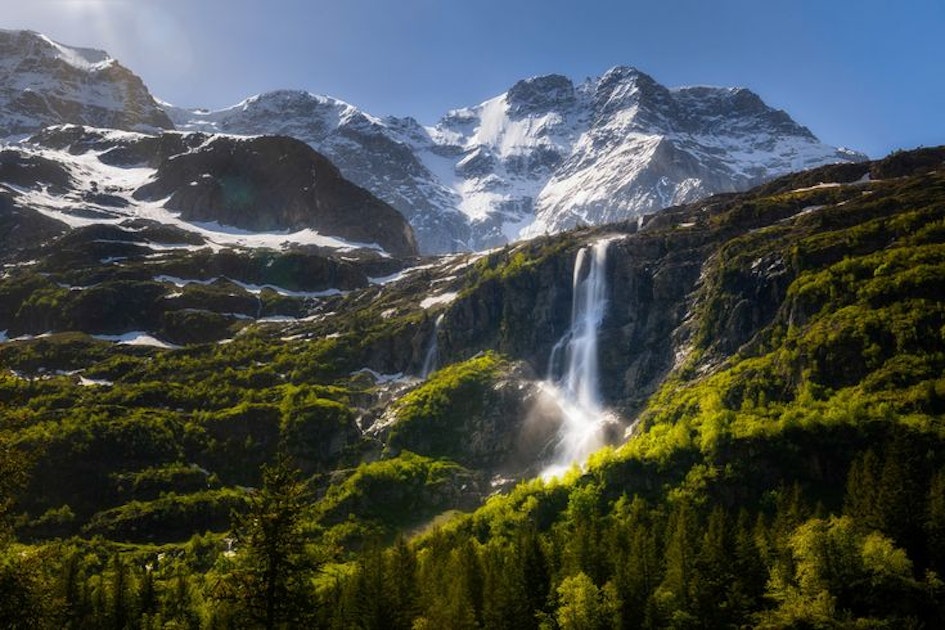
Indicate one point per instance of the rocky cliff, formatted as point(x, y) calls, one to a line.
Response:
point(273, 183)
point(45, 83)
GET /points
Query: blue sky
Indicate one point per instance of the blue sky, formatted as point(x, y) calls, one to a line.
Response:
point(869, 74)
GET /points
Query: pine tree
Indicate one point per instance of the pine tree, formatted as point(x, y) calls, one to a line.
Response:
point(673, 594)
point(120, 588)
point(504, 602)
point(750, 573)
point(535, 572)
point(711, 575)
point(74, 589)
point(13, 478)
point(177, 601)
point(860, 500)
point(900, 496)
point(24, 592)
point(271, 584)
point(935, 524)
point(400, 579)
point(366, 592)
point(634, 551)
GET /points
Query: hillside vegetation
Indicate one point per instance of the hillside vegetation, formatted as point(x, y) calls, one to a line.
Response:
point(778, 357)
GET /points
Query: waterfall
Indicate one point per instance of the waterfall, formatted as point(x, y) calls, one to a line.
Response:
point(573, 372)
point(431, 358)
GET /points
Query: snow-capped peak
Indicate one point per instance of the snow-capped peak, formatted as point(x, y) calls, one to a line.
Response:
point(37, 45)
point(43, 82)
point(543, 156)
point(87, 59)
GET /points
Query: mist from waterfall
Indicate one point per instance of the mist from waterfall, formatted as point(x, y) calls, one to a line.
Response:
point(432, 356)
point(573, 371)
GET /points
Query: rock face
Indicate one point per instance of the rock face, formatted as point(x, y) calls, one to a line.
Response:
point(45, 83)
point(274, 183)
point(379, 155)
point(21, 227)
point(545, 156)
point(650, 282)
point(272, 192)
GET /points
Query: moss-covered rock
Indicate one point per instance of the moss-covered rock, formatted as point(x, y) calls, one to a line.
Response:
point(396, 493)
point(472, 412)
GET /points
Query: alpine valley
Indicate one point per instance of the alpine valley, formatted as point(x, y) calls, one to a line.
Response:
point(596, 355)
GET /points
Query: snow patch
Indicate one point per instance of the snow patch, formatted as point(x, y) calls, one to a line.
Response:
point(255, 289)
point(137, 338)
point(379, 378)
point(818, 187)
point(94, 382)
point(87, 59)
point(434, 300)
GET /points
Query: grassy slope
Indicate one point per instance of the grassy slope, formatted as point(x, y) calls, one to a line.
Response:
point(855, 343)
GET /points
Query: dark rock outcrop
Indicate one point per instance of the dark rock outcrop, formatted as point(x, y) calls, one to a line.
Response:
point(21, 227)
point(274, 183)
point(526, 313)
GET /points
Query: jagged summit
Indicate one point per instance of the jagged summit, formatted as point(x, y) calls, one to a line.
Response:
point(540, 93)
point(544, 156)
point(45, 83)
point(80, 58)
point(298, 112)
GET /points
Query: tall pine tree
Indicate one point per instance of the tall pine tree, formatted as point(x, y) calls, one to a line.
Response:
point(271, 586)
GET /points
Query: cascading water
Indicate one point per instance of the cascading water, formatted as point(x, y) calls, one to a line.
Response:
point(430, 360)
point(573, 378)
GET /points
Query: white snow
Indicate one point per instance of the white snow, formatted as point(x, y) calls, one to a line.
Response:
point(94, 382)
point(390, 278)
point(26, 337)
point(434, 300)
point(817, 187)
point(87, 59)
point(255, 289)
point(394, 277)
point(227, 235)
point(379, 378)
point(182, 282)
point(277, 319)
point(137, 338)
point(159, 248)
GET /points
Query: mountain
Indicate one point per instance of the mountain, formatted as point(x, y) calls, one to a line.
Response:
point(724, 413)
point(683, 296)
point(545, 156)
point(542, 157)
point(383, 156)
point(766, 367)
point(46, 83)
point(225, 191)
